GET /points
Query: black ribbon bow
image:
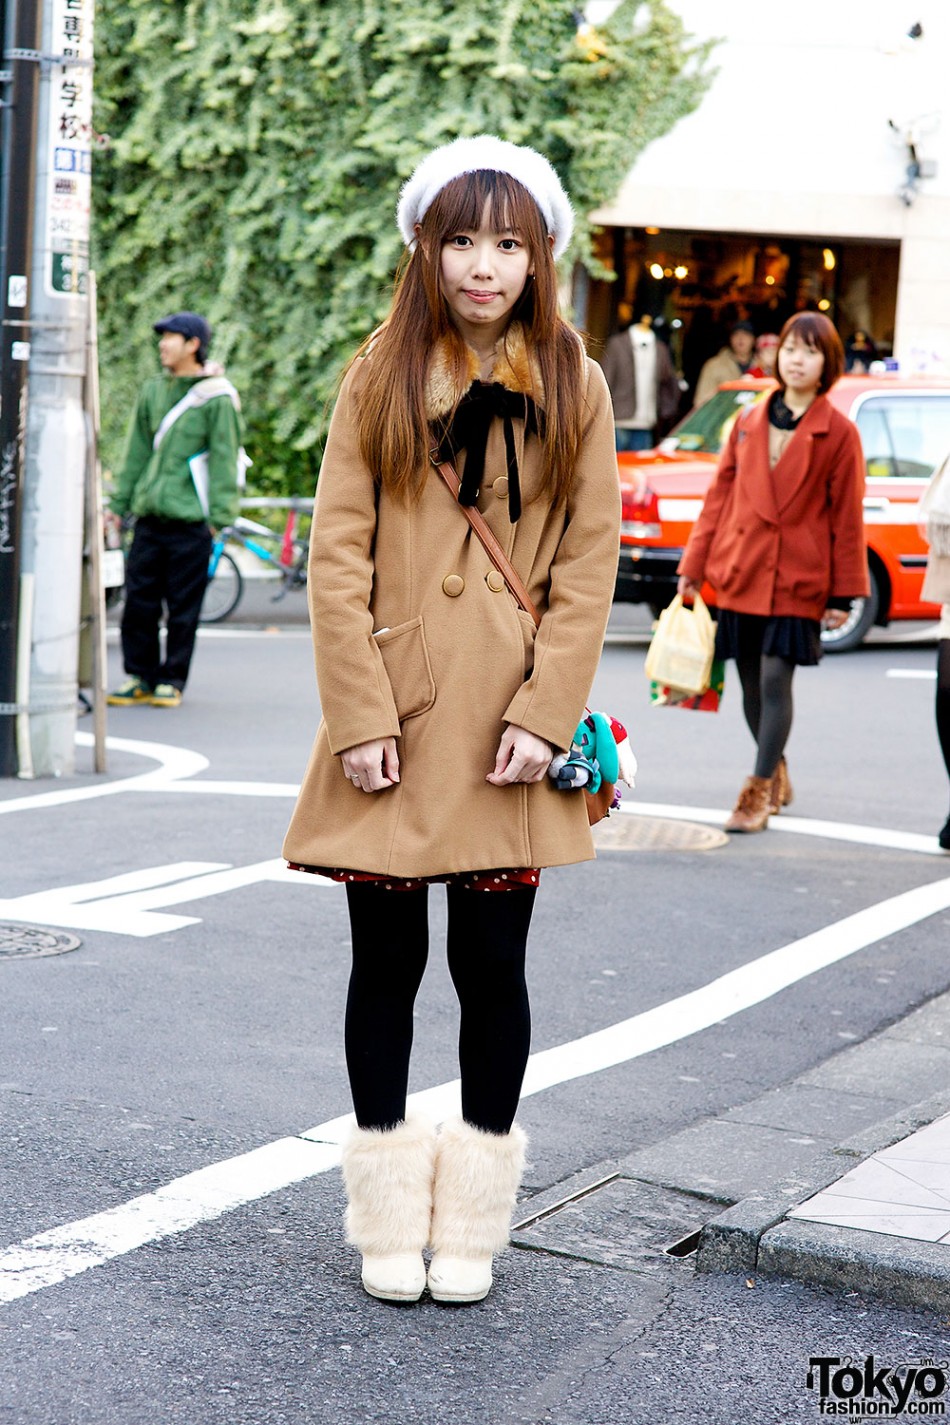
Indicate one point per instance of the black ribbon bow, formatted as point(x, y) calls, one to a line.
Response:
point(468, 431)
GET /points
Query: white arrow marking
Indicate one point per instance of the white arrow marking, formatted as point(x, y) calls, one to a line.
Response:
point(127, 904)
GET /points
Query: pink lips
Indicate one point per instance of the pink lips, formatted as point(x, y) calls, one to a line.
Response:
point(481, 296)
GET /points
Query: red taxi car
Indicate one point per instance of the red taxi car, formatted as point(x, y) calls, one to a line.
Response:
point(904, 424)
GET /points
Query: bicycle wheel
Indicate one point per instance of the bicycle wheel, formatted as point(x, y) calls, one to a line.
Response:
point(223, 592)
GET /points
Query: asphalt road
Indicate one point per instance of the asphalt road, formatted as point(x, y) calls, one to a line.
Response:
point(136, 1059)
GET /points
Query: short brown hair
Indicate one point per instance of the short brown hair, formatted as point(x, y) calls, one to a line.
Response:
point(816, 331)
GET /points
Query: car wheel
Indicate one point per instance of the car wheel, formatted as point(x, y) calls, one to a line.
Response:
point(862, 616)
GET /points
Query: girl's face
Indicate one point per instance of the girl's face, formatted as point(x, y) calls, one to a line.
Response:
point(800, 365)
point(483, 273)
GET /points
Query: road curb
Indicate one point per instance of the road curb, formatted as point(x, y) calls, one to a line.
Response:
point(905, 1273)
point(755, 1235)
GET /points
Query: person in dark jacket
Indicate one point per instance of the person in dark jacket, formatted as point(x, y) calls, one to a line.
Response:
point(180, 481)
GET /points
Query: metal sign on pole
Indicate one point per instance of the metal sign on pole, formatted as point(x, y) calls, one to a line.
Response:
point(57, 428)
point(94, 603)
point(20, 108)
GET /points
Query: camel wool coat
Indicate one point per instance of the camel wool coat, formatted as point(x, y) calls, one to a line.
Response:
point(417, 637)
point(784, 541)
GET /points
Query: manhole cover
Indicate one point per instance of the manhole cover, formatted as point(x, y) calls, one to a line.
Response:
point(27, 942)
point(655, 833)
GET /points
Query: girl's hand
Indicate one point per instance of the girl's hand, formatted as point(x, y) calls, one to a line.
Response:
point(522, 757)
point(687, 588)
point(834, 618)
point(374, 766)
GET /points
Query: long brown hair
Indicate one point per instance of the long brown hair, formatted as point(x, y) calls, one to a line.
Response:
point(393, 429)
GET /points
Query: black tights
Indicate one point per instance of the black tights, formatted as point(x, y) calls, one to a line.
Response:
point(767, 704)
point(943, 700)
point(487, 936)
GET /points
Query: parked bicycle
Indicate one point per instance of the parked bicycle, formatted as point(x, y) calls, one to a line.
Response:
point(225, 580)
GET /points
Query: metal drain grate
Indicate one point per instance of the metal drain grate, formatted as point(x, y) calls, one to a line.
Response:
point(655, 833)
point(28, 942)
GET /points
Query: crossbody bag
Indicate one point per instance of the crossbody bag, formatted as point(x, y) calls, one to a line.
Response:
point(599, 802)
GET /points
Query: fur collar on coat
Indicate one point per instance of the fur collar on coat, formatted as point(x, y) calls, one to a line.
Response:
point(514, 368)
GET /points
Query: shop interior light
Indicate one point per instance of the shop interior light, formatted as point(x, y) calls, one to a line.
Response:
point(653, 232)
point(824, 304)
point(829, 259)
point(770, 281)
point(656, 270)
point(681, 272)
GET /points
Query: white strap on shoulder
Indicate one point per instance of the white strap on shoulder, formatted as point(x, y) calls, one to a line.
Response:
point(201, 392)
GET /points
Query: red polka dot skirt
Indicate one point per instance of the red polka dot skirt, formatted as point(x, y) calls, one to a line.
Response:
point(500, 880)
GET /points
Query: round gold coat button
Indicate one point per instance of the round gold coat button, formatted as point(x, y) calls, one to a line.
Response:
point(495, 581)
point(453, 584)
point(500, 486)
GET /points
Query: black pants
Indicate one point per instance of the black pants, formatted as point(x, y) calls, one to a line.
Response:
point(487, 935)
point(943, 701)
point(167, 566)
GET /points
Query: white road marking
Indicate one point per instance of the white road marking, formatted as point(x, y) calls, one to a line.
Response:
point(51, 1257)
point(929, 675)
point(799, 826)
point(235, 789)
point(127, 904)
point(175, 762)
point(178, 764)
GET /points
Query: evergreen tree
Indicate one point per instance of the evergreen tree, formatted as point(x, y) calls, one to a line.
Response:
point(257, 149)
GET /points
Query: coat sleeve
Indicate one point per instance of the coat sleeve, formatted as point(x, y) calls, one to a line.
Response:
point(224, 438)
point(849, 556)
point(708, 383)
point(609, 364)
point(355, 694)
point(696, 554)
point(582, 577)
point(138, 452)
point(668, 390)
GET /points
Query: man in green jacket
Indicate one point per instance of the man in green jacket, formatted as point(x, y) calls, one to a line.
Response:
point(179, 479)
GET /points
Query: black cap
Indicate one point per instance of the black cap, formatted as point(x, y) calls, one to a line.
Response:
point(736, 327)
point(189, 324)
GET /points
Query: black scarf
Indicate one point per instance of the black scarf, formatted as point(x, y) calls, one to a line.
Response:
point(468, 431)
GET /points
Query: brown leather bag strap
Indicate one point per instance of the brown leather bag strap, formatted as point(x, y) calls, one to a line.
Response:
point(492, 548)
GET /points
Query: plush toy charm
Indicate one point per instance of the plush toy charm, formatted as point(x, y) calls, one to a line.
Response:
point(599, 752)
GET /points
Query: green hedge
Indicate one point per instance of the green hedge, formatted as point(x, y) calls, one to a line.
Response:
point(256, 149)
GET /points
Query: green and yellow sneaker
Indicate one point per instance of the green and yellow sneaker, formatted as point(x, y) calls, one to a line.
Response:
point(165, 695)
point(133, 690)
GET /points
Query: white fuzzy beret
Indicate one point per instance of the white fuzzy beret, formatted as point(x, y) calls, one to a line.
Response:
point(531, 169)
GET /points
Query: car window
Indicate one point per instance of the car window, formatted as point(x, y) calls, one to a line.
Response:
point(904, 436)
point(707, 428)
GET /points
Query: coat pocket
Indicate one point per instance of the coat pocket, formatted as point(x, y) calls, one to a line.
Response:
point(406, 660)
point(529, 632)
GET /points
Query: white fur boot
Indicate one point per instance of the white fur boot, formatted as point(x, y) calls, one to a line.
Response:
point(388, 1176)
point(476, 1180)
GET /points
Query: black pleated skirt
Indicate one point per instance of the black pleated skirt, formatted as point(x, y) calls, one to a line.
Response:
point(797, 640)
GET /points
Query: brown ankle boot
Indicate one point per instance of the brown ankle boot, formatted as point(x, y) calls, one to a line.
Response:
point(781, 788)
point(751, 811)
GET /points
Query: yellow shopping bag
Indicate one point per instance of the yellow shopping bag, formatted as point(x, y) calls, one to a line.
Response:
point(681, 653)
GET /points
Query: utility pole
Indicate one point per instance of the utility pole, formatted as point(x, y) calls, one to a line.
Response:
point(57, 435)
point(21, 80)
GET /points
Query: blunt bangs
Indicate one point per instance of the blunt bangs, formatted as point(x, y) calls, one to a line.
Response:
point(459, 206)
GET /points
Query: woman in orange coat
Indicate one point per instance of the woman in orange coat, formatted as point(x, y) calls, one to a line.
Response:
point(781, 540)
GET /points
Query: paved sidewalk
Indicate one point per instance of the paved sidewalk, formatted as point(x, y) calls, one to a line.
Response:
point(840, 1178)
